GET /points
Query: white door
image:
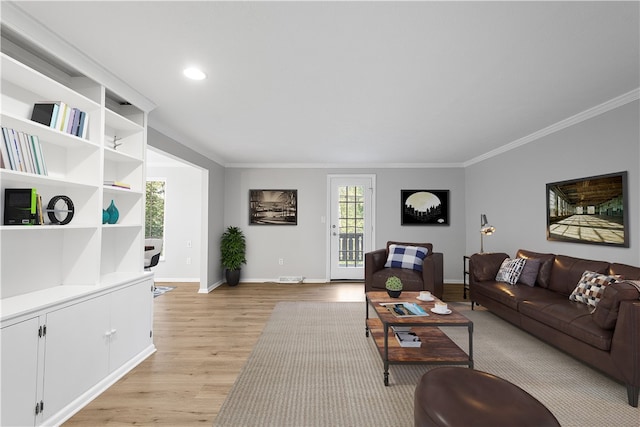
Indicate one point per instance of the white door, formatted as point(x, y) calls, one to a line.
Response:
point(351, 200)
point(19, 373)
point(77, 352)
point(131, 319)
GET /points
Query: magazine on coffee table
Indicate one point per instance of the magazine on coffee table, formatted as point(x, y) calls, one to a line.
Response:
point(408, 339)
point(404, 309)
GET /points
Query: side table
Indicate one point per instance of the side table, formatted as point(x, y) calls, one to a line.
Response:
point(465, 275)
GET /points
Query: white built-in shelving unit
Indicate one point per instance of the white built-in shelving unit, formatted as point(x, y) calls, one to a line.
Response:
point(76, 304)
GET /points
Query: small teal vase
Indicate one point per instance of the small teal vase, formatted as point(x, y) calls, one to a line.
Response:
point(105, 216)
point(113, 213)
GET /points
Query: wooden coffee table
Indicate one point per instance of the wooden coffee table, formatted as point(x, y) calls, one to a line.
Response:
point(436, 349)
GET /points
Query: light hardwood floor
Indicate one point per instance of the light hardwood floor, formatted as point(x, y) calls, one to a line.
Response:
point(202, 341)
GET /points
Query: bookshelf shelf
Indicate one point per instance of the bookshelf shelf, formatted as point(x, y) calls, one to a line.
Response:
point(88, 277)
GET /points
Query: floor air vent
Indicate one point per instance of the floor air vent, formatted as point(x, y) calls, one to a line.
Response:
point(290, 279)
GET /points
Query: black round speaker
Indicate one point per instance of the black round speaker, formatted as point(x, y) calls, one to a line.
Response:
point(60, 210)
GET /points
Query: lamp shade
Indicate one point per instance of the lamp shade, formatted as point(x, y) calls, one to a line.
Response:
point(486, 229)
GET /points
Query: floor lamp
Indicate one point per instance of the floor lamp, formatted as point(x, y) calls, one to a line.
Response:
point(485, 230)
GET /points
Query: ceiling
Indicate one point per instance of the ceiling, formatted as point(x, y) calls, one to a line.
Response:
point(358, 83)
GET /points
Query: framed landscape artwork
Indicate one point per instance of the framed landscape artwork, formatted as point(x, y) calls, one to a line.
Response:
point(425, 207)
point(273, 207)
point(589, 210)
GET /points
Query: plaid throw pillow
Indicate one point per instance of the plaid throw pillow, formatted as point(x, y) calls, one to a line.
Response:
point(410, 257)
point(510, 270)
point(591, 287)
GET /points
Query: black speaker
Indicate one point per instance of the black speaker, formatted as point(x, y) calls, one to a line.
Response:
point(20, 206)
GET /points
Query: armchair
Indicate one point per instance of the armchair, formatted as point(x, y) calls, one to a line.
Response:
point(429, 279)
point(152, 250)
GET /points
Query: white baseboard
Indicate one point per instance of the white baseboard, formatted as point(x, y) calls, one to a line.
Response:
point(84, 399)
point(177, 279)
point(210, 288)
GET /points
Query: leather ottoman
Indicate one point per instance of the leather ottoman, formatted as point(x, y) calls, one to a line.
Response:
point(454, 396)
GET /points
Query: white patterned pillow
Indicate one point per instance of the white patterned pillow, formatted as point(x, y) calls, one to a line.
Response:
point(510, 270)
point(411, 257)
point(591, 287)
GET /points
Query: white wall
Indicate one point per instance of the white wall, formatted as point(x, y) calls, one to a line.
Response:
point(304, 247)
point(511, 188)
point(183, 220)
point(210, 273)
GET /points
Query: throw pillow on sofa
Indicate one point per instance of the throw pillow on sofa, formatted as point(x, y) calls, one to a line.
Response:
point(510, 270)
point(530, 272)
point(591, 287)
point(411, 257)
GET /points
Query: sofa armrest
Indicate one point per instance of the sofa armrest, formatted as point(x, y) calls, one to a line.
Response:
point(485, 266)
point(373, 261)
point(432, 274)
point(625, 345)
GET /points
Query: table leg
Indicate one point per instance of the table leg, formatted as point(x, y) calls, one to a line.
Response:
point(386, 354)
point(471, 345)
point(366, 328)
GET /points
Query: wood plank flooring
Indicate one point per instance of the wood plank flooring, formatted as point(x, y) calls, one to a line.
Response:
point(203, 341)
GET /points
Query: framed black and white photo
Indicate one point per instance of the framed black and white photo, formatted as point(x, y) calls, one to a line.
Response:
point(425, 207)
point(589, 210)
point(273, 207)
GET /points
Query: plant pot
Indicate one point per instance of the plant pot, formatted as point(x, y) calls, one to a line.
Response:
point(394, 294)
point(233, 277)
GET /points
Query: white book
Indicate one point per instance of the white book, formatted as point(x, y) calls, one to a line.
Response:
point(408, 339)
point(8, 159)
point(17, 153)
point(40, 155)
point(26, 152)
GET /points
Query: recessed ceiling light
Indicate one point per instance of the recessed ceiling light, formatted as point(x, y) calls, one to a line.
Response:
point(194, 74)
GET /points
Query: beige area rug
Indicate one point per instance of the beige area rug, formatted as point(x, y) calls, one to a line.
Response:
point(314, 366)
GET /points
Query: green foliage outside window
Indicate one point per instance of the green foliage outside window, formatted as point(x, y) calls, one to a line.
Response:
point(154, 210)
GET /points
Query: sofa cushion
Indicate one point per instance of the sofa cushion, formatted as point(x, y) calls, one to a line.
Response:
point(569, 317)
point(606, 312)
point(628, 272)
point(530, 272)
point(486, 265)
point(510, 270)
point(591, 287)
point(511, 296)
point(567, 271)
point(411, 257)
point(546, 263)
point(411, 279)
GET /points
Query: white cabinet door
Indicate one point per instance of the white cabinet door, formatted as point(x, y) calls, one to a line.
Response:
point(77, 344)
point(131, 322)
point(19, 373)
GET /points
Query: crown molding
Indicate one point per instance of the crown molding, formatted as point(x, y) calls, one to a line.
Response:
point(344, 165)
point(35, 33)
point(612, 104)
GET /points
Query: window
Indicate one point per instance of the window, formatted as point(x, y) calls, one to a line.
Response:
point(154, 209)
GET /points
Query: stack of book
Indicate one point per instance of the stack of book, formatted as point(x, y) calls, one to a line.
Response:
point(22, 152)
point(118, 184)
point(406, 338)
point(60, 116)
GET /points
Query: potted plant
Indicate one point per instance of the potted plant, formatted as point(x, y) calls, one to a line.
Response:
point(394, 286)
point(233, 254)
